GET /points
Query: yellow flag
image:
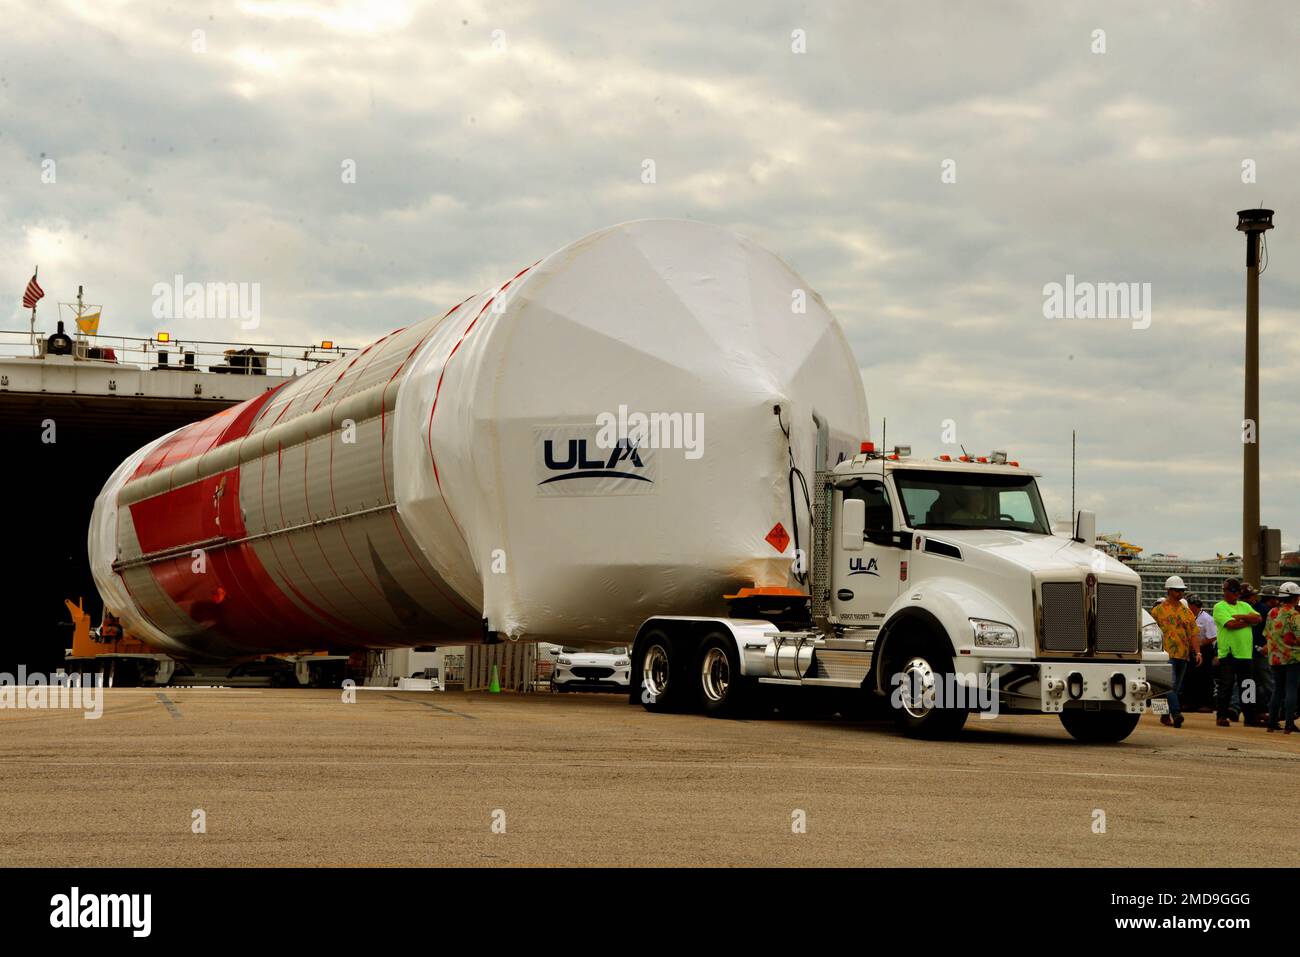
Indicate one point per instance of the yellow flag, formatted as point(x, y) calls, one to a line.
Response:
point(89, 323)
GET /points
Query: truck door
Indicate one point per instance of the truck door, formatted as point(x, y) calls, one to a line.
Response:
point(865, 583)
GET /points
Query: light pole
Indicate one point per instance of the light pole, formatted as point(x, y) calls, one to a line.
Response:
point(1252, 222)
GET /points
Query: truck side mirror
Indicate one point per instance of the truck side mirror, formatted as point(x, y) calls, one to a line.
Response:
point(853, 519)
point(1085, 527)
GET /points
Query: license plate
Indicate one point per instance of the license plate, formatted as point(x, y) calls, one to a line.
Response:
point(1160, 705)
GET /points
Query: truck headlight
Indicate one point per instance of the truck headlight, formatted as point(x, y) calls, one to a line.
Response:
point(1152, 638)
point(994, 634)
point(622, 663)
point(565, 661)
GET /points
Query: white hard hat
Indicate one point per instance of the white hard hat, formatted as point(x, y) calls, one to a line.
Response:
point(1288, 589)
point(1173, 581)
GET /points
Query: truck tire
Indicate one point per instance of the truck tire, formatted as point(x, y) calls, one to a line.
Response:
point(723, 691)
point(658, 680)
point(923, 669)
point(1099, 727)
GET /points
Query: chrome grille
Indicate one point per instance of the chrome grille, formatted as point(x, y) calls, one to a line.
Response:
point(1117, 618)
point(1063, 617)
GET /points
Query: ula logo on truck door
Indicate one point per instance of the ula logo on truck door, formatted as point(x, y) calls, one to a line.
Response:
point(569, 462)
point(856, 567)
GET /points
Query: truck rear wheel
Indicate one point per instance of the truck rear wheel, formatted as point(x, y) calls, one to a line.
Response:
point(659, 680)
point(1099, 727)
point(724, 692)
point(917, 698)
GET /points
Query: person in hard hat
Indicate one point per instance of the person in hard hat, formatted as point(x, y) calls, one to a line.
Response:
point(1283, 630)
point(1199, 683)
point(1182, 641)
point(1234, 619)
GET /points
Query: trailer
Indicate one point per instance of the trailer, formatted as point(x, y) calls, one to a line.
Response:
point(935, 588)
point(543, 461)
point(115, 658)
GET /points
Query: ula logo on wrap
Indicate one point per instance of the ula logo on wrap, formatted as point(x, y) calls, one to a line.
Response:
point(857, 568)
point(569, 460)
point(577, 462)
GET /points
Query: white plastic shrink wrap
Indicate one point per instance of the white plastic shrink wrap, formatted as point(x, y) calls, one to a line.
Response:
point(590, 443)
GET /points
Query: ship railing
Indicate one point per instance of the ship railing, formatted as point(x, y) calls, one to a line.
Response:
point(198, 355)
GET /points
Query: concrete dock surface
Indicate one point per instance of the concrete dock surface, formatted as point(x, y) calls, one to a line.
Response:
point(298, 777)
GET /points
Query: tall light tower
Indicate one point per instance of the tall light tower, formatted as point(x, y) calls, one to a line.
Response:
point(1252, 222)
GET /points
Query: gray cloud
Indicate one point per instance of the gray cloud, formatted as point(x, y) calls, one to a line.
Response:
point(225, 165)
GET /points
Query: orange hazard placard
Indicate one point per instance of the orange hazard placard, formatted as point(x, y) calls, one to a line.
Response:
point(778, 538)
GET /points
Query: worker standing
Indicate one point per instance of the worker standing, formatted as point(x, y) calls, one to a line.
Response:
point(1234, 619)
point(1263, 601)
point(1283, 630)
point(1182, 641)
point(1200, 680)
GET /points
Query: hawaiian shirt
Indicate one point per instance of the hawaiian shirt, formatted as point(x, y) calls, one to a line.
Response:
point(1178, 625)
point(1283, 631)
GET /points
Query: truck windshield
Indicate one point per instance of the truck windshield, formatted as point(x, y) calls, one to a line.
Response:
point(943, 499)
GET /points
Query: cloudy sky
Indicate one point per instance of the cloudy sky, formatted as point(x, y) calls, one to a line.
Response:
point(210, 139)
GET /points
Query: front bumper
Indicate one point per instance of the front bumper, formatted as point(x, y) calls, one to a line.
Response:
point(618, 681)
point(1053, 686)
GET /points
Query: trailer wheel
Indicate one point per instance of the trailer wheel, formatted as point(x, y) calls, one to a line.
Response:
point(723, 691)
point(919, 710)
point(657, 678)
point(1099, 727)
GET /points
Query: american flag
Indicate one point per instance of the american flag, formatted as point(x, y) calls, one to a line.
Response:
point(33, 293)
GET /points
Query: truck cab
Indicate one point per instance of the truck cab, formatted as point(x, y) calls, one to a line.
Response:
point(939, 586)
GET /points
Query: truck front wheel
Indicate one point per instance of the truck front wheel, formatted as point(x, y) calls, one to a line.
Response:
point(1099, 727)
point(917, 697)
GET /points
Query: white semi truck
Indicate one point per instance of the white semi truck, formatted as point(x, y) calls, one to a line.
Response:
point(937, 585)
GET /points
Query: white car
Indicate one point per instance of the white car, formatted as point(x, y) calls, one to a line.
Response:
point(587, 669)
